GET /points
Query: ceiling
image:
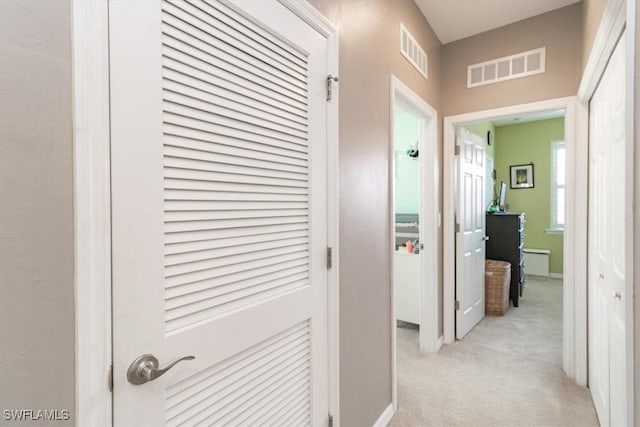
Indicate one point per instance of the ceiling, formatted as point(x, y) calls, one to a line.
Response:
point(533, 117)
point(456, 19)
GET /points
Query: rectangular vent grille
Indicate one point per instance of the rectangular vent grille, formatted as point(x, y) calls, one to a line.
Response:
point(506, 68)
point(411, 50)
point(268, 384)
point(236, 184)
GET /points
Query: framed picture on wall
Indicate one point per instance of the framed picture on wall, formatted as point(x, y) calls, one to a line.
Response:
point(522, 176)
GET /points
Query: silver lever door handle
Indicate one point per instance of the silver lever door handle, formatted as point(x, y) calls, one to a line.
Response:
point(146, 368)
point(485, 238)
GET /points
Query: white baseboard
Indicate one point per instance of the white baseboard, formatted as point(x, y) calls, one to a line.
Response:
point(385, 417)
point(556, 276)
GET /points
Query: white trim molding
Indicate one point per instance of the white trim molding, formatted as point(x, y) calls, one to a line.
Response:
point(92, 204)
point(385, 417)
point(429, 219)
point(611, 25)
point(575, 244)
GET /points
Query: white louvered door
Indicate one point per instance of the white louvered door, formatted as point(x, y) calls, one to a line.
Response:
point(219, 218)
point(470, 243)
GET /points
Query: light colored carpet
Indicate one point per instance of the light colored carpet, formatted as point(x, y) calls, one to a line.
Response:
point(506, 372)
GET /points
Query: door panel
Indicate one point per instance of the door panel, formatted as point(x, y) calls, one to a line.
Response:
point(470, 244)
point(219, 226)
point(608, 343)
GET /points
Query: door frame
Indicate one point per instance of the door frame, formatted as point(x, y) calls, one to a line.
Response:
point(430, 340)
point(616, 17)
point(92, 208)
point(574, 347)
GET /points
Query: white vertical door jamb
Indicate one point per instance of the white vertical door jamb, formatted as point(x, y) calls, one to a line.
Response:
point(92, 205)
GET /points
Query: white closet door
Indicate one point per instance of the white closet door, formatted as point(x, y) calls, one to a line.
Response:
point(609, 364)
point(470, 239)
point(219, 212)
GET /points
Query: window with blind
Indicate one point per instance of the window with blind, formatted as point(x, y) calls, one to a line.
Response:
point(558, 183)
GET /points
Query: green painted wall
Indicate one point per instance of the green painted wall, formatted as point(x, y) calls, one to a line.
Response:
point(407, 172)
point(525, 143)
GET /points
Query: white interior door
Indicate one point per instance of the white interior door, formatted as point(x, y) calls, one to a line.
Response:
point(609, 369)
point(470, 235)
point(219, 213)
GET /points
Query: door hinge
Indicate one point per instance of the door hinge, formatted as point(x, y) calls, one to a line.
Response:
point(457, 226)
point(457, 150)
point(110, 378)
point(330, 424)
point(329, 258)
point(457, 305)
point(330, 80)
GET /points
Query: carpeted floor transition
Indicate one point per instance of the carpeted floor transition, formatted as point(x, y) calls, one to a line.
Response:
point(506, 372)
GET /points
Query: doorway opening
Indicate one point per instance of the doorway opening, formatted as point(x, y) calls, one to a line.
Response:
point(557, 236)
point(414, 172)
point(520, 221)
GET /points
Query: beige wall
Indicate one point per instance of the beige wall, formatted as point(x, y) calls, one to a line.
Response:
point(559, 31)
point(369, 54)
point(592, 11)
point(36, 208)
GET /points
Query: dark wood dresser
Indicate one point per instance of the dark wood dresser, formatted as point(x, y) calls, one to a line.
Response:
point(506, 243)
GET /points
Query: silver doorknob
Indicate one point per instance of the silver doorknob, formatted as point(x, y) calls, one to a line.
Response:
point(146, 368)
point(601, 276)
point(617, 295)
point(485, 238)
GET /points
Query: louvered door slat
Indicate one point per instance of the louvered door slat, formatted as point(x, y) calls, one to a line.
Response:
point(184, 43)
point(191, 247)
point(183, 96)
point(231, 124)
point(187, 387)
point(201, 185)
point(253, 34)
point(228, 251)
point(208, 264)
point(232, 268)
point(236, 280)
point(236, 173)
point(186, 147)
point(214, 96)
point(174, 21)
point(225, 64)
point(181, 52)
point(208, 393)
point(276, 279)
point(234, 382)
point(177, 124)
point(187, 206)
point(248, 157)
point(201, 77)
point(230, 214)
point(280, 396)
point(209, 26)
point(191, 237)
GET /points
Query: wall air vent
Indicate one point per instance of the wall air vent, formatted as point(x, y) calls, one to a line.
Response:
point(411, 50)
point(506, 68)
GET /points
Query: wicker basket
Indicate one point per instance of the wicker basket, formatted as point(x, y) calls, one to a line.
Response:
point(496, 287)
